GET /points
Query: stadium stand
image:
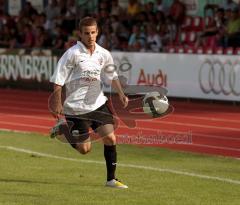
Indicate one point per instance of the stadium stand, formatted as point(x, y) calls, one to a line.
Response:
point(56, 27)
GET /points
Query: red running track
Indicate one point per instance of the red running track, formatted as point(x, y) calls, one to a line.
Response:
point(202, 127)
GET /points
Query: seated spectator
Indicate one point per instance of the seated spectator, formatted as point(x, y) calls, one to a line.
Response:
point(133, 8)
point(108, 39)
point(43, 21)
point(52, 11)
point(103, 17)
point(116, 9)
point(103, 38)
point(171, 33)
point(141, 19)
point(177, 12)
point(41, 38)
point(28, 9)
point(2, 5)
point(149, 7)
point(212, 32)
point(210, 9)
point(23, 19)
point(159, 6)
point(161, 20)
point(59, 37)
point(137, 40)
point(166, 28)
point(2, 20)
point(6, 20)
point(154, 43)
point(70, 42)
point(104, 5)
point(63, 10)
point(39, 20)
point(228, 14)
point(5, 37)
point(36, 21)
point(69, 19)
point(228, 5)
point(28, 37)
point(120, 27)
point(231, 36)
point(115, 23)
point(151, 16)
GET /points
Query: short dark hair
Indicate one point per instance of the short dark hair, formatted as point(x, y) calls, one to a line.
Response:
point(87, 21)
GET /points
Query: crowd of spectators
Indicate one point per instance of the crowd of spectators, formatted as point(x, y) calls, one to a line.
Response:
point(149, 27)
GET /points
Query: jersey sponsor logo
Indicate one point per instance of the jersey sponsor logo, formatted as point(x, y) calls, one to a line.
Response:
point(100, 61)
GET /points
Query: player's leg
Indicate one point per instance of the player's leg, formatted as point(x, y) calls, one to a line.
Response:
point(83, 147)
point(66, 133)
point(104, 126)
point(110, 154)
point(78, 134)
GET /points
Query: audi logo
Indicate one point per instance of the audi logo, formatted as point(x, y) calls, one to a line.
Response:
point(220, 78)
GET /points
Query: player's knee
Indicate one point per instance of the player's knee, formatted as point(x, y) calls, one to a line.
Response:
point(82, 149)
point(109, 140)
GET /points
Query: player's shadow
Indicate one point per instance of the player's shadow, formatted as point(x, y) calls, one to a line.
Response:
point(22, 194)
point(27, 181)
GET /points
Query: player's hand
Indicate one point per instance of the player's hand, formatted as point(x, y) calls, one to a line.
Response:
point(57, 111)
point(124, 100)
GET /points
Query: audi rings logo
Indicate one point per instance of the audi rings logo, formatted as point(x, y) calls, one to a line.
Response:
point(220, 78)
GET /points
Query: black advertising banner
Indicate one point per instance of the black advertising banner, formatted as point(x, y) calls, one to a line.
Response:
point(27, 69)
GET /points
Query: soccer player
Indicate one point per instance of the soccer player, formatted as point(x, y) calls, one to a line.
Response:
point(80, 70)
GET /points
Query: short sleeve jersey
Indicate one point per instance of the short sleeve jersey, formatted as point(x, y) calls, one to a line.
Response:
point(81, 73)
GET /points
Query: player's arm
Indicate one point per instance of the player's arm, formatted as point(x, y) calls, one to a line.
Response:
point(59, 77)
point(117, 86)
point(115, 83)
point(56, 104)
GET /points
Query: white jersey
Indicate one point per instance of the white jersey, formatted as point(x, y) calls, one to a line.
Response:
point(81, 73)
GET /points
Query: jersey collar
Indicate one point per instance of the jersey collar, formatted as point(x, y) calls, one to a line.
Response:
point(85, 50)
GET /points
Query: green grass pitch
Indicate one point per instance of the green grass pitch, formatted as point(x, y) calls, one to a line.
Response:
point(37, 170)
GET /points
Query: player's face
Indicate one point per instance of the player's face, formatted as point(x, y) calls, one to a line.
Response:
point(88, 35)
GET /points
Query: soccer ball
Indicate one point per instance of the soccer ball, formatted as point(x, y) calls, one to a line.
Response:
point(155, 104)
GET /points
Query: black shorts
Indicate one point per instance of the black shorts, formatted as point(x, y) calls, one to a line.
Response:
point(79, 124)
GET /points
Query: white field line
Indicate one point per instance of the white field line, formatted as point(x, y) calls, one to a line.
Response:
point(155, 122)
point(141, 167)
point(48, 128)
point(119, 135)
point(18, 131)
